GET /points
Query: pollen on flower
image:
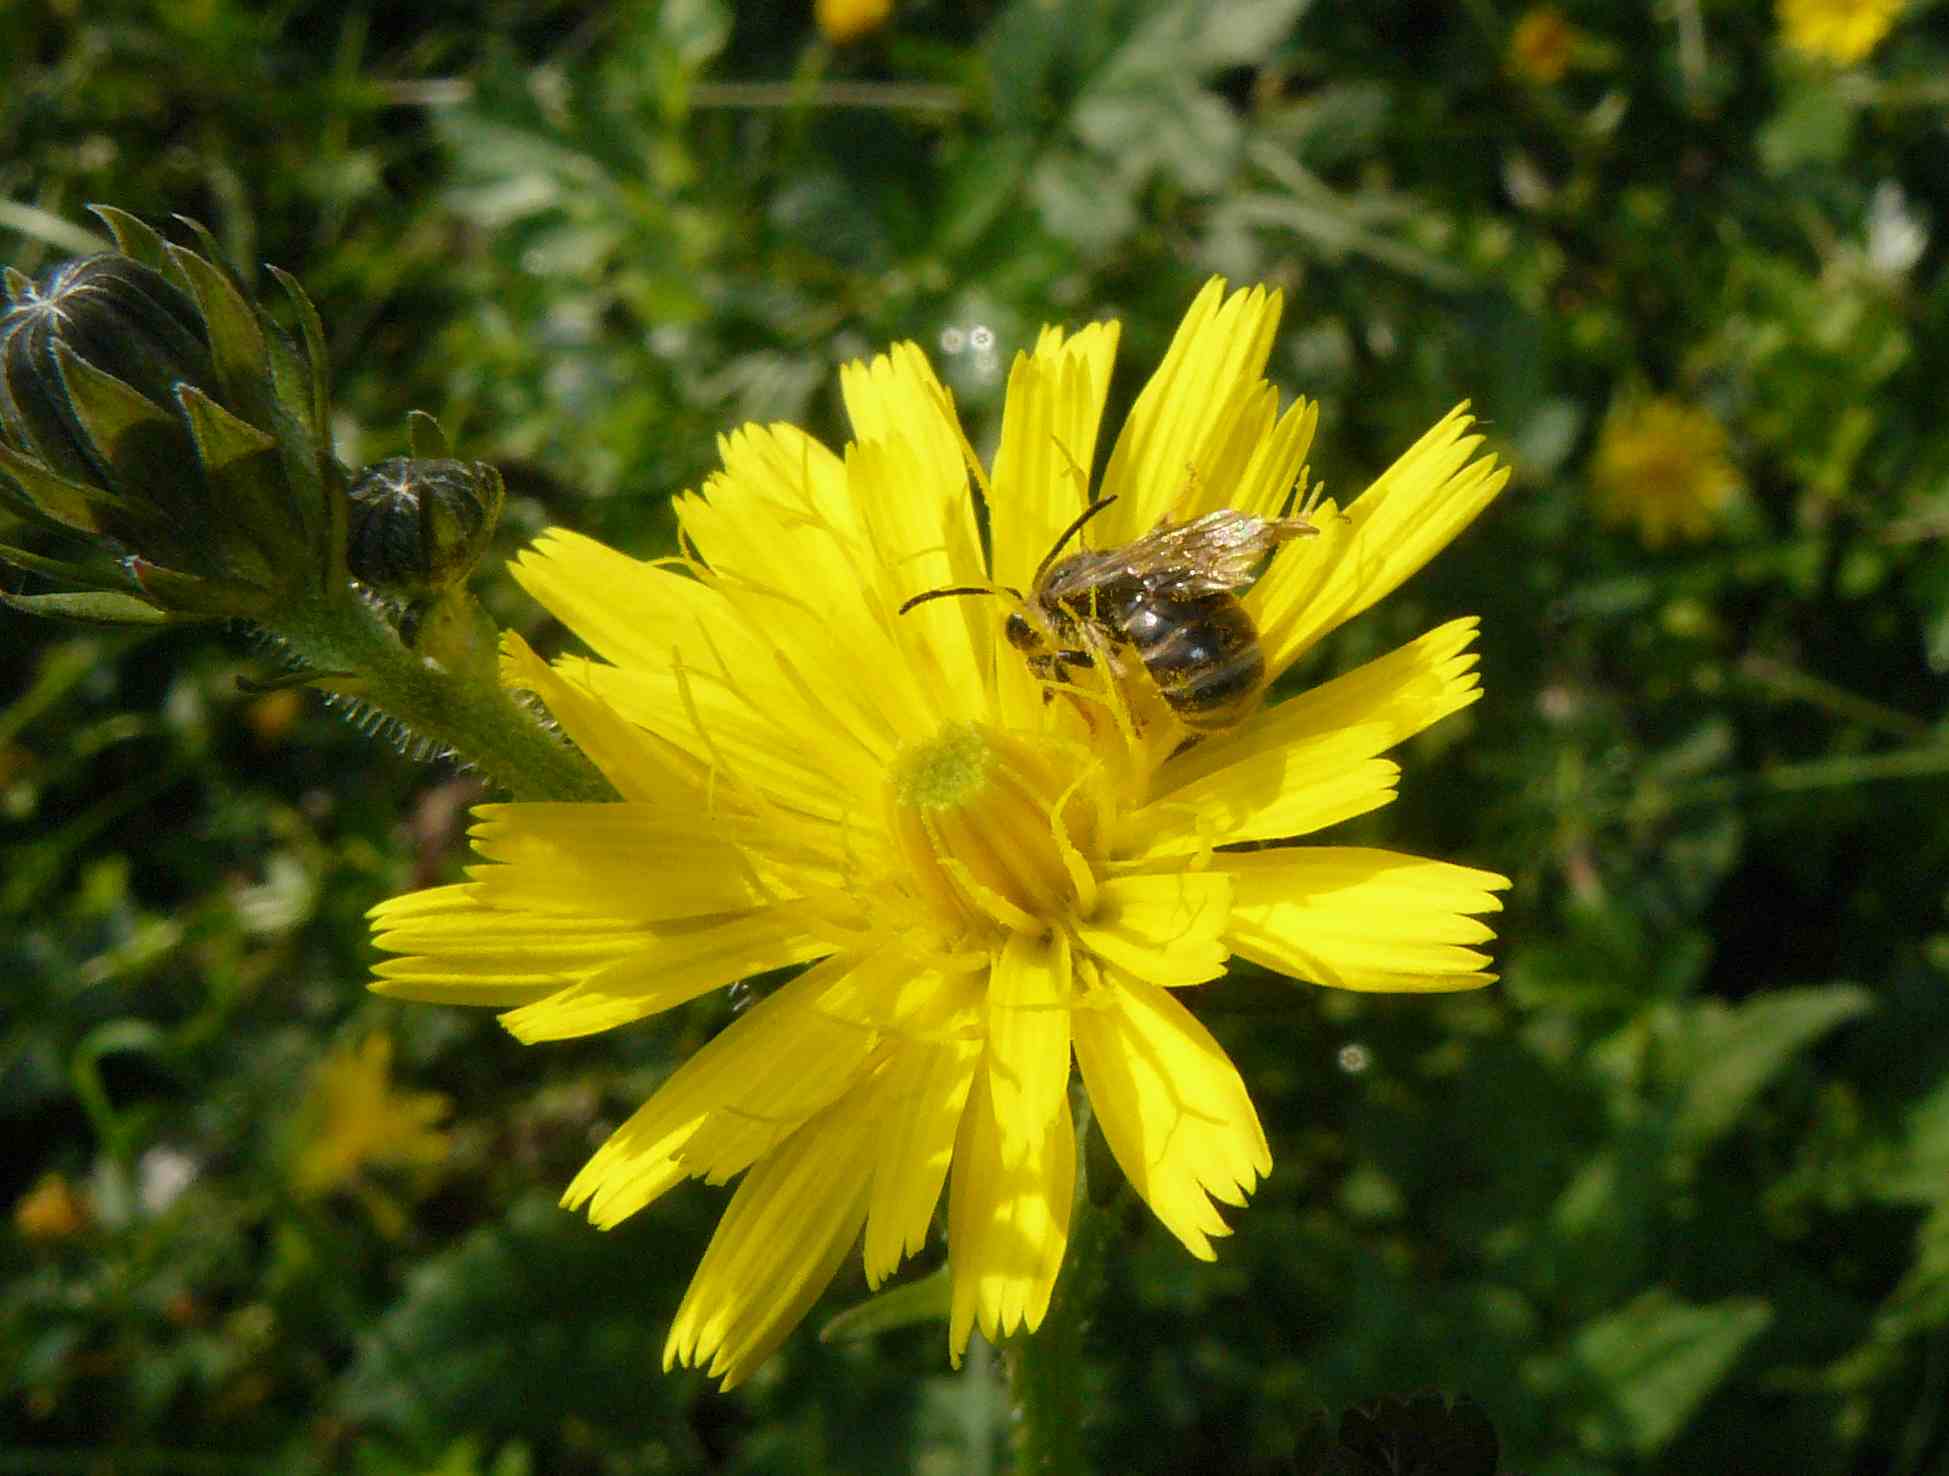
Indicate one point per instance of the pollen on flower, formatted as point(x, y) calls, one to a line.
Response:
point(946, 771)
point(990, 827)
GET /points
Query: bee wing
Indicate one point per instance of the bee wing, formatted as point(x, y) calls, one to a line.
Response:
point(1080, 573)
point(1213, 554)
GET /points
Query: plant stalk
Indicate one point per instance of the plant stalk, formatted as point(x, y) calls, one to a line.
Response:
point(446, 689)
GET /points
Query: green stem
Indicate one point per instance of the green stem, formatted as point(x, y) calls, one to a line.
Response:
point(1048, 1370)
point(1928, 762)
point(1791, 683)
point(447, 689)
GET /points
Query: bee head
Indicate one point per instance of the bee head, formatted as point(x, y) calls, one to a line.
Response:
point(1022, 634)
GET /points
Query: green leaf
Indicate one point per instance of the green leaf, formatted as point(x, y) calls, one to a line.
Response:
point(1656, 1361)
point(51, 499)
point(236, 337)
point(1922, 1174)
point(985, 183)
point(1196, 37)
point(490, 1314)
point(424, 436)
point(191, 594)
point(925, 1300)
point(249, 494)
point(91, 608)
point(135, 238)
point(1078, 204)
point(222, 440)
point(1735, 1053)
point(88, 576)
point(149, 455)
point(311, 329)
point(1814, 125)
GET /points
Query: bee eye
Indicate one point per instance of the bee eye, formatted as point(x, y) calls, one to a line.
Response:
point(414, 526)
point(1020, 634)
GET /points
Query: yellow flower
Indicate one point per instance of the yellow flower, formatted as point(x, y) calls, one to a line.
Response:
point(1540, 47)
point(985, 875)
point(353, 1118)
point(1839, 31)
point(51, 1210)
point(840, 21)
point(1662, 464)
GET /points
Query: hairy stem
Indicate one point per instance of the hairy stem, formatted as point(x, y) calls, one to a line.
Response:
point(446, 689)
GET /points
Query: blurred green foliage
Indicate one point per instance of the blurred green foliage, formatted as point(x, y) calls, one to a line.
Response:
point(1672, 1197)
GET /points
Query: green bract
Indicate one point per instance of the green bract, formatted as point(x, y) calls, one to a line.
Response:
point(149, 407)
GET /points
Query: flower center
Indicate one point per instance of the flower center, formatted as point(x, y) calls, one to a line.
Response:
point(997, 831)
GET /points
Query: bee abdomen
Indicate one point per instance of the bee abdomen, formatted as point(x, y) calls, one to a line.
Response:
point(1206, 660)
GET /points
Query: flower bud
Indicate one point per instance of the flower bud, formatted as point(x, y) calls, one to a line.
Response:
point(150, 409)
point(416, 525)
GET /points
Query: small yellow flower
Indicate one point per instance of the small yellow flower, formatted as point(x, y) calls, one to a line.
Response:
point(51, 1210)
point(841, 21)
point(353, 1119)
point(988, 878)
point(272, 716)
point(1662, 464)
point(1541, 46)
point(1839, 31)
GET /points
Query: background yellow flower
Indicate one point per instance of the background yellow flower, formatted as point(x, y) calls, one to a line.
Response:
point(1542, 44)
point(841, 21)
point(1662, 465)
point(352, 1120)
point(1839, 31)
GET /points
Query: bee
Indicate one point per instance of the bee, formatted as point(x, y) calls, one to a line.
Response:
point(1170, 599)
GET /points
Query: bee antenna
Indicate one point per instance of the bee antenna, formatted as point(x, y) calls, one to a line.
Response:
point(1068, 533)
point(941, 594)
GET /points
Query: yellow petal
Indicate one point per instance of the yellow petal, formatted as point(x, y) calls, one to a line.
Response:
point(630, 612)
point(786, 1231)
point(632, 860)
point(1028, 1038)
point(1167, 928)
point(944, 647)
point(1362, 919)
point(924, 1093)
point(819, 570)
point(1180, 423)
point(1412, 511)
point(1259, 476)
point(1008, 1223)
point(1050, 421)
point(641, 767)
point(897, 396)
point(909, 481)
point(459, 951)
point(691, 669)
point(676, 962)
point(738, 1072)
point(1173, 1108)
point(1306, 763)
point(1272, 795)
point(1393, 697)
